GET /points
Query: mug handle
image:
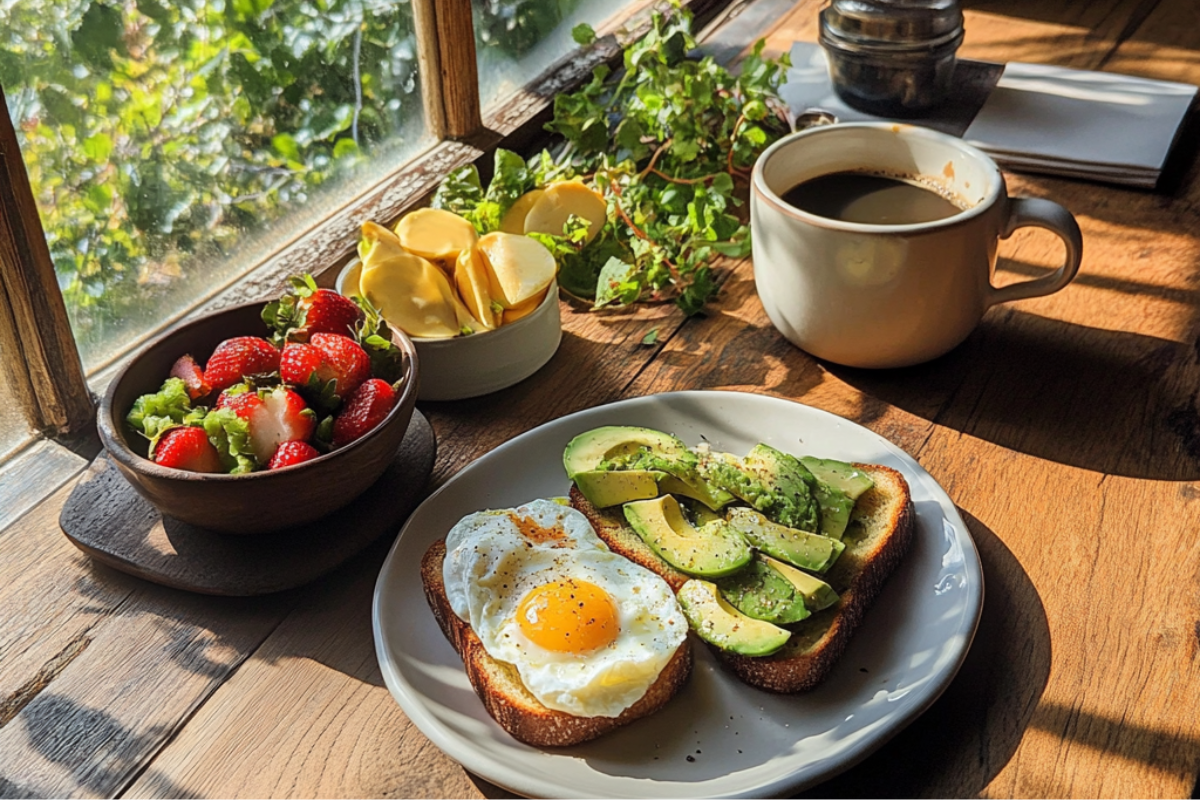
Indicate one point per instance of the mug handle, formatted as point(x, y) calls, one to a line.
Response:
point(1027, 211)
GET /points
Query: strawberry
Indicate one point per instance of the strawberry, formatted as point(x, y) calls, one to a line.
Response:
point(187, 447)
point(349, 361)
point(274, 416)
point(307, 309)
point(237, 357)
point(326, 311)
point(187, 370)
point(291, 453)
point(240, 402)
point(365, 409)
point(327, 357)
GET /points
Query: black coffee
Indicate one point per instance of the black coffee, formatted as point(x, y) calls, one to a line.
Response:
point(871, 199)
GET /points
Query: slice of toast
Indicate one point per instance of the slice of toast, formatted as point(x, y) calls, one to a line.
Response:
point(505, 697)
point(879, 535)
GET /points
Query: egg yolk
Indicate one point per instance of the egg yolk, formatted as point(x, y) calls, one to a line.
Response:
point(568, 616)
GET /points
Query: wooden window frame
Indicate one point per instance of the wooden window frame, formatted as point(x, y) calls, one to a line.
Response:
point(51, 385)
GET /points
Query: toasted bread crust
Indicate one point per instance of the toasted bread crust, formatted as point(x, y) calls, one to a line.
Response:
point(507, 699)
point(880, 535)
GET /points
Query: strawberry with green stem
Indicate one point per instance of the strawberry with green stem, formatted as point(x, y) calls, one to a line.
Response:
point(329, 368)
point(308, 309)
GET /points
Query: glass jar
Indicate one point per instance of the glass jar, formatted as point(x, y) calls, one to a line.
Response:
point(892, 57)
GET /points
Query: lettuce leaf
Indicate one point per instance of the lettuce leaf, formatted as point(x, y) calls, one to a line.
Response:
point(462, 191)
point(230, 434)
point(153, 415)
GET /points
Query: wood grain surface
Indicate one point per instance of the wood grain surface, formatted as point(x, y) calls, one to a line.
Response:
point(107, 519)
point(1066, 428)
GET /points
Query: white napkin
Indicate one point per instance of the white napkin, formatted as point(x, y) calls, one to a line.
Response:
point(1039, 118)
point(1096, 124)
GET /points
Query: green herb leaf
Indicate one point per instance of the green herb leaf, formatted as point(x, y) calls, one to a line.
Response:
point(669, 143)
point(583, 34)
point(617, 284)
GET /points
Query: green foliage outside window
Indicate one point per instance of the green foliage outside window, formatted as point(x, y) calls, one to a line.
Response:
point(158, 133)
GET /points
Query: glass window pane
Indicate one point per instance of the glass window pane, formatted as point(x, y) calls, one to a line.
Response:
point(517, 40)
point(174, 145)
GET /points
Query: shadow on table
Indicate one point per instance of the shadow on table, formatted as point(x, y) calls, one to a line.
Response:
point(965, 738)
point(1108, 401)
point(100, 753)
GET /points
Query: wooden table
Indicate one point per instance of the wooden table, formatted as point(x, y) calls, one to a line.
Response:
point(1067, 430)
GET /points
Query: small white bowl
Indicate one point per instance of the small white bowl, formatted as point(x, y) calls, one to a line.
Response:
point(482, 363)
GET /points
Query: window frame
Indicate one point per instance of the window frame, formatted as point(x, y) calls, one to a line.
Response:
point(37, 347)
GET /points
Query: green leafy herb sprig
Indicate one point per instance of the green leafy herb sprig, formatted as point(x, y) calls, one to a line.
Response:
point(669, 142)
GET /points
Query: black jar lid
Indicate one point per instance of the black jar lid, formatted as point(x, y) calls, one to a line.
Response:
point(893, 25)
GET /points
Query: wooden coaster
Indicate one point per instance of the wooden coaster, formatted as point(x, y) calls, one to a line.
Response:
point(107, 519)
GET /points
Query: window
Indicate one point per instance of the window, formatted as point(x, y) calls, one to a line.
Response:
point(173, 146)
point(516, 39)
point(194, 150)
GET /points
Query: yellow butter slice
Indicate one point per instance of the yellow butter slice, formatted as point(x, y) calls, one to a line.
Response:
point(519, 267)
point(411, 293)
point(435, 234)
point(559, 201)
point(514, 218)
point(515, 313)
point(471, 279)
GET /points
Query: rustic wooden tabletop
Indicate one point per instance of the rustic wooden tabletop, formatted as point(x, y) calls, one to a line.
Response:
point(1066, 429)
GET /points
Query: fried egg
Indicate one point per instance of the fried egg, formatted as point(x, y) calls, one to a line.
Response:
point(587, 630)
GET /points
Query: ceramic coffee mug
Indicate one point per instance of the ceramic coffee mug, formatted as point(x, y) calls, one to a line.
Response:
point(889, 295)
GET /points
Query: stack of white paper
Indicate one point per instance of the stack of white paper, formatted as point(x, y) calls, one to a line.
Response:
point(1040, 118)
point(1081, 124)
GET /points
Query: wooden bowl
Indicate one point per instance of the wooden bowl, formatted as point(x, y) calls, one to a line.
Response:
point(256, 502)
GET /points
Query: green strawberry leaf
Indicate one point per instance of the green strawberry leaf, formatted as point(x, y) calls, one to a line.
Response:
point(373, 333)
point(323, 437)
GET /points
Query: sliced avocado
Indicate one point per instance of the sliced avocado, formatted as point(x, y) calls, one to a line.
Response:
point(798, 548)
point(835, 509)
point(722, 625)
point(840, 475)
point(699, 513)
point(612, 488)
point(772, 482)
point(816, 593)
point(590, 449)
point(696, 488)
point(762, 592)
point(711, 550)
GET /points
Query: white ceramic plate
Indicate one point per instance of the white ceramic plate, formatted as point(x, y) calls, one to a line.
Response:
point(718, 736)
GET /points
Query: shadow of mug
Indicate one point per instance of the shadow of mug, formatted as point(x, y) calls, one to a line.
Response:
point(971, 732)
point(890, 295)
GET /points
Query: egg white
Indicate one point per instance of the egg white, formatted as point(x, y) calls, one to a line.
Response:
point(492, 566)
point(483, 544)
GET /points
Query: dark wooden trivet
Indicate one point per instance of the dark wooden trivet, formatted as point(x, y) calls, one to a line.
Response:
point(105, 518)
